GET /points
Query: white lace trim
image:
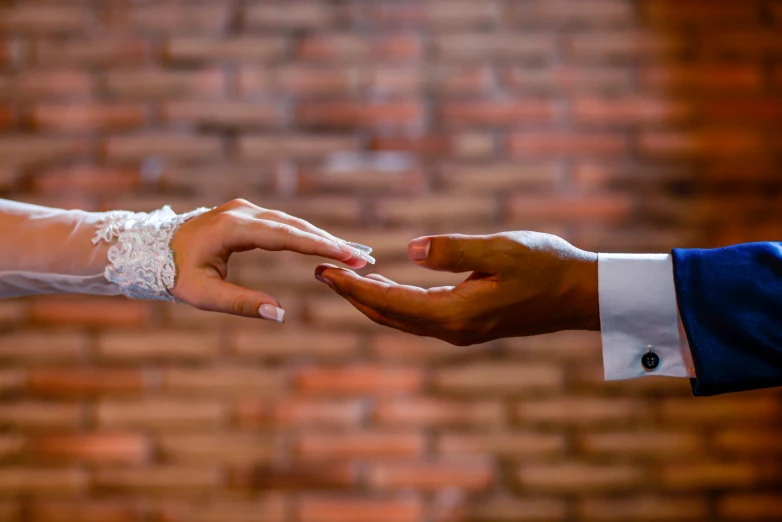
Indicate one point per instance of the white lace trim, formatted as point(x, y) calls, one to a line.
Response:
point(141, 262)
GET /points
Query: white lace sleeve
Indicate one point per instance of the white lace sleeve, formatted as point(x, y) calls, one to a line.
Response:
point(53, 251)
point(140, 261)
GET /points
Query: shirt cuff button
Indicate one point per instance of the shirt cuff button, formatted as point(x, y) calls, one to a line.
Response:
point(650, 360)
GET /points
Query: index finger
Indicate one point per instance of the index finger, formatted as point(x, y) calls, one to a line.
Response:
point(386, 298)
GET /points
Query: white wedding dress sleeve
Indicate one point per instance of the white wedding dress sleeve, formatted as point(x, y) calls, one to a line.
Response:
point(53, 251)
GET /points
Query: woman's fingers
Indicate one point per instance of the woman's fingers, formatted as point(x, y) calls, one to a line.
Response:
point(215, 295)
point(249, 233)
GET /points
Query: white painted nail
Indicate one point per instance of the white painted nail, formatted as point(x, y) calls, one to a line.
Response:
point(271, 312)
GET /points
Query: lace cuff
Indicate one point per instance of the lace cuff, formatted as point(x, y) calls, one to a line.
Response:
point(141, 262)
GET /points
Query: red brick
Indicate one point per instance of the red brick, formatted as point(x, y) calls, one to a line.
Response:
point(99, 448)
point(159, 83)
point(31, 150)
point(700, 144)
point(624, 45)
point(156, 345)
point(644, 508)
point(90, 179)
point(506, 508)
point(464, 146)
point(31, 416)
point(572, 477)
point(159, 480)
point(253, 344)
point(496, 113)
point(350, 48)
point(584, 12)
point(498, 378)
point(348, 509)
point(462, 14)
point(40, 347)
point(93, 52)
point(514, 445)
point(359, 380)
point(750, 506)
point(184, 18)
point(219, 448)
point(748, 442)
point(271, 508)
point(477, 47)
point(46, 83)
point(469, 475)
point(175, 147)
point(42, 481)
point(90, 312)
point(579, 411)
point(333, 476)
point(42, 19)
point(711, 475)
point(557, 346)
point(432, 209)
point(295, 15)
point(302, 146)
point(85, 382)
point(359, 114)
point(592, 208)
point(359, 445)
point(160, 413)
point(567, 79)
point(293, 411)
point(11, 447)
point(696, 77)
point(229, 380)
point(709, 13)
point(438, 412)
point(393, 80)
point(751, 42)
point(460, 80)
point(51, 510)
point(757, 111)
point(357, 178)
point(222, 114)
point(566, 143)
point(197, 49)
point(297, 79)
point(630, 110)
point(644, 445)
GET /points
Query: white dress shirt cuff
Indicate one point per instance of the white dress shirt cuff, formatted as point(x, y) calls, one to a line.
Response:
point(638, 314)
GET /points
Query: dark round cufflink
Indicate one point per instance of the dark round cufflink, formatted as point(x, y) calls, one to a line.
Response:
point(650, 360)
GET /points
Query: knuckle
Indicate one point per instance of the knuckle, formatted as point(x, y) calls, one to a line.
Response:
point(239, 203)
point(239, 305)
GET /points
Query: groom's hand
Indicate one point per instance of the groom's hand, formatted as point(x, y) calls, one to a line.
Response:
point(522, 283)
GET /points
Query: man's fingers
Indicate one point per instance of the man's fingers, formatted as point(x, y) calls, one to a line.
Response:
point(387, 299)
point(384, 320)
point(454, 253)
point(215, 295)
point(381, 279)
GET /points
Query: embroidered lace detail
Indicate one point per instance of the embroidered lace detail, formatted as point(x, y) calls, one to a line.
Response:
point(141, 262)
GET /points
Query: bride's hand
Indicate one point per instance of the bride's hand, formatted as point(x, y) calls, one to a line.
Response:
point(203, 245)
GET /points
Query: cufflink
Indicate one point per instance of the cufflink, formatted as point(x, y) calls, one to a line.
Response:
point(650, 360)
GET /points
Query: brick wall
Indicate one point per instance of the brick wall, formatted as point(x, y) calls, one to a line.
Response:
point(623, 126)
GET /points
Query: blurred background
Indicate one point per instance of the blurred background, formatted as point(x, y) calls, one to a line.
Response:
point(620, 125)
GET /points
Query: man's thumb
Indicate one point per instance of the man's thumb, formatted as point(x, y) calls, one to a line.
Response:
point(452, 253)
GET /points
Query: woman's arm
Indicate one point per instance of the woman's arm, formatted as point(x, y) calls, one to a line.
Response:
point(160, 255)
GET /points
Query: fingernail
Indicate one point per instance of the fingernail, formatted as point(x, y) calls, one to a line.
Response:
point(363, 248)
point(327, 282)
point(418, 249)
point(271, 312)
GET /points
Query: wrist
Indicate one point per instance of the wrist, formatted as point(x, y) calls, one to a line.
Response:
point(581, 301)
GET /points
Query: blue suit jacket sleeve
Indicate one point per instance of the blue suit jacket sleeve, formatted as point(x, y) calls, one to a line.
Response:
point(730, 301)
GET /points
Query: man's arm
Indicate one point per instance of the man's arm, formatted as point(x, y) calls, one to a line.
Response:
point(524, 283)
point(730, 300)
